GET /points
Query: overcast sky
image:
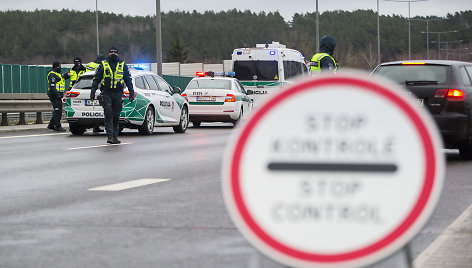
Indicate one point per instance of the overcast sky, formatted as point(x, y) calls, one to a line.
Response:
point(286, 7)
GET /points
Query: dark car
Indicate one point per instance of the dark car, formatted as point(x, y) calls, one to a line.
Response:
point(445, 89)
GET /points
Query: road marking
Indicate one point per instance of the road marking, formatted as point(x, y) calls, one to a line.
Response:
point(127, 185)
point(451, 248)
point(37, 135)
point(96, 146)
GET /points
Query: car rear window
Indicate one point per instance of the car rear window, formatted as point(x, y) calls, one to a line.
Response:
point(210, 84)
point(414, 73)
point(85, 82)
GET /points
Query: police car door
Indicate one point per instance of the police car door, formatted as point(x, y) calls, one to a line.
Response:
point(156, 99)
point(169, 106)
point(247, 102)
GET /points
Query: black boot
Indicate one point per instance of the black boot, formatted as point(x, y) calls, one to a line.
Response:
point(97, 129)
point(116, 141)
point(110, 140)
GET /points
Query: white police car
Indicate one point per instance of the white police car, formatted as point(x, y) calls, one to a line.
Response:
point(156, 104)
point(216, 99)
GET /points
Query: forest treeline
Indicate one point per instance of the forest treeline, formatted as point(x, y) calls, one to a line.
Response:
point(41, 36)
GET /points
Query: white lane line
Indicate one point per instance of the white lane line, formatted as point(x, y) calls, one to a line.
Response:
point(96, 146)
point(28, 136)
point(127, 185)
point(449, 247)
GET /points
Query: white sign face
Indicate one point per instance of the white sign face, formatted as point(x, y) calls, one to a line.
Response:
point(334, 172)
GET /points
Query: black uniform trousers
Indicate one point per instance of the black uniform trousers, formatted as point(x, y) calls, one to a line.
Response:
point(112, 105)
point(56, 101)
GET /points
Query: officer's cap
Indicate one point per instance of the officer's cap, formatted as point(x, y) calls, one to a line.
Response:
point(113, 50)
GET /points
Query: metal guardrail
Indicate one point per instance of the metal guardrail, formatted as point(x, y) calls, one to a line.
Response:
point(22, 103)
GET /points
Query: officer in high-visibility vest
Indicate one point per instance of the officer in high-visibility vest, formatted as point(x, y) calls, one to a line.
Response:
point(76, 71)
point(57, 84)
point(93, 65)
point(112, 74)
point(324, 60)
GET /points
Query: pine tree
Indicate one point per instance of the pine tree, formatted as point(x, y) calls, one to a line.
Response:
point(178, 52)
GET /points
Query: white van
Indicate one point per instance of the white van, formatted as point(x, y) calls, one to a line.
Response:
point(267, 67)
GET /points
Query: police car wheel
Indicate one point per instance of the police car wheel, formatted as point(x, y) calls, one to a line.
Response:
point(147, 128)
point(76, 129)
point(196, 123)
point(241, 113)
point(183, 124)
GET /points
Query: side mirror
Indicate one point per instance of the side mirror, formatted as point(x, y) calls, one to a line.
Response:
point(176, 90)
point(249, 92)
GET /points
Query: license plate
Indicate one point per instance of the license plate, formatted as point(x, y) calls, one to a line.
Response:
point(206, 98)
point(92, 103)
point(420, 102)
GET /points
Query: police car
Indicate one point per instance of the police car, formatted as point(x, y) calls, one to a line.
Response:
point(156, 104)
point(214, 98)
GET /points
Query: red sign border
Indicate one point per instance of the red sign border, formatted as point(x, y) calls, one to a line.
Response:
point(406, 224)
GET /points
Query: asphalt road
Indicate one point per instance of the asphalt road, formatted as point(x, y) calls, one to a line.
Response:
point(50, 218)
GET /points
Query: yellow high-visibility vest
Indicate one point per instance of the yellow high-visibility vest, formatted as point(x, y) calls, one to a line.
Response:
point(316, 59)
point(116, 76)
point(61, 85)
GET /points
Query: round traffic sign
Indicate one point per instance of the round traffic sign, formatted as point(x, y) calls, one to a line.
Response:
point(338, 171)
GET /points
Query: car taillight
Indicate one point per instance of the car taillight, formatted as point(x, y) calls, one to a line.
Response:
point(126, 94)
point(184, 95)
point(230, 98)
point(72, 94)
point(455, 95)
point(450, 94)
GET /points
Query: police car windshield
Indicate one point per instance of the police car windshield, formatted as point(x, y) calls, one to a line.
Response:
point(85, 82)
point(256, 70)
point(210, 84)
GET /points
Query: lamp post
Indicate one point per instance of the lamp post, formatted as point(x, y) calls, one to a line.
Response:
point(317, 28)
point(447, 44)
point(378, 33)
point(439, 40)
point(409, 15)
point(96, 22)
point(158, 38)
point(427, 32)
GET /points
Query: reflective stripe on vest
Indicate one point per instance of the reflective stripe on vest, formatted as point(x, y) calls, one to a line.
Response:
point(74, 76)
point(92, 66)
point(116, 76)
point(317, 59)
point(61, 85)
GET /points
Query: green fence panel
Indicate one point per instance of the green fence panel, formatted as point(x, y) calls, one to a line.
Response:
point(1, 78)
point(42, 76)
point(25, 79)
point(33, 83)
point(16, 78)
point(67, 81)
point(7, 87)
point(177, 81)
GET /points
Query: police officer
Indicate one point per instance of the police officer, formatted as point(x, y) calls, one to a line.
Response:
point(112, 73)
point(93, 66)
point(57, 85)
point(324, 59)
point(76, 71)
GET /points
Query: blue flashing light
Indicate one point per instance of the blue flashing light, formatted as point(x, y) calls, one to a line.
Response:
point(272, 52)
point(140, 66)
point(239, 53)
point(230, 73)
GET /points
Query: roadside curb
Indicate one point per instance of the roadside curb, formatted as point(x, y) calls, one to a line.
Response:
point(16, 128)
